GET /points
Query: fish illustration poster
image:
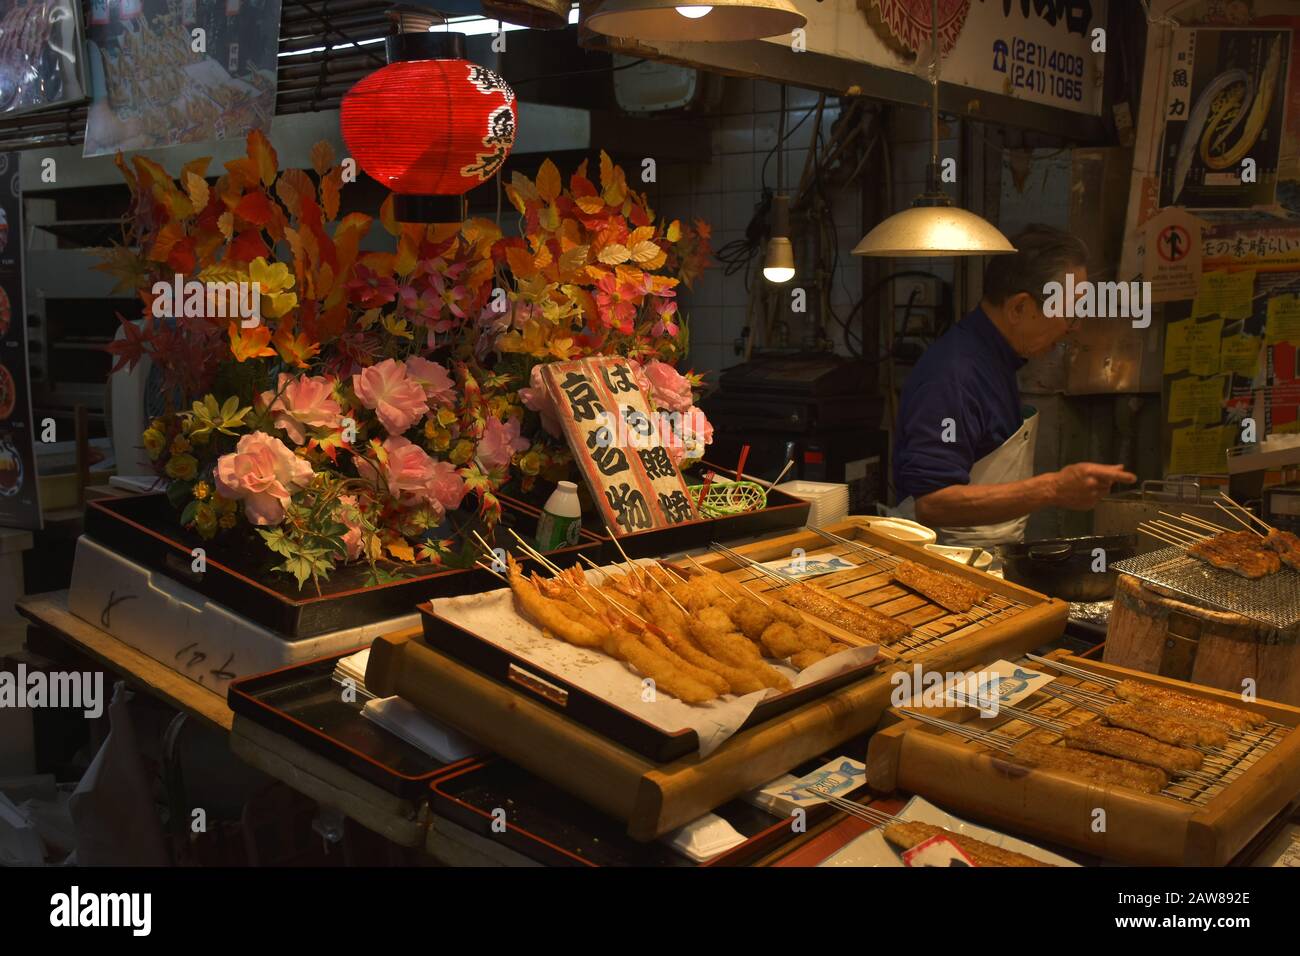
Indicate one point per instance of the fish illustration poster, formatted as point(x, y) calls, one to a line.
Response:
point(1224, 111)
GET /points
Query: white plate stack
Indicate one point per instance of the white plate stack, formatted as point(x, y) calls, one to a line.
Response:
point(830, 502)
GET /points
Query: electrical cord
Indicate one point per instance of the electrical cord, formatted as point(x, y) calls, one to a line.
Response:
point(515, 84)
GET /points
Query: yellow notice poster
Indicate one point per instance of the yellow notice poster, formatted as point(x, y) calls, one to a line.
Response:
point(1225, 294)
point(1178, 352)
point(1203, 340)
point(1240, 354)
point(1196, 400)
point(1283, 323)
point(1200, 451)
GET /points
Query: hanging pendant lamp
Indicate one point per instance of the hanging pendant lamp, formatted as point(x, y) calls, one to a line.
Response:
point(933, 226)
point(691, 22)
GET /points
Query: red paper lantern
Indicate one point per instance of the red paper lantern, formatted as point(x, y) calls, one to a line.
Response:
point(429, 127)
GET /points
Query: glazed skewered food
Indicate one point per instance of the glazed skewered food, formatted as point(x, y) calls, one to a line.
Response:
point(909, 833)
point(1090, 766)
point(1131, 745)
point(1286, 545)
point(857, 618)
point(1165, 726)
point(946, 590)
point(1235, 718)
point(1241, 552)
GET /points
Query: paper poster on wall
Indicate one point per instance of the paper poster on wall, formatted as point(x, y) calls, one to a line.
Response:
point(20, 504)
point(163, 73)
point(1224, 109)
point(41, 63)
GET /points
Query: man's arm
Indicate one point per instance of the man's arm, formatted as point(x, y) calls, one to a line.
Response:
point(1078, 487)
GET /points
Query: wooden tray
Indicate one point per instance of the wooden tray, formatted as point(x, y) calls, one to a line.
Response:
point(144, 529)
point(656, 798)
point(1158, 830)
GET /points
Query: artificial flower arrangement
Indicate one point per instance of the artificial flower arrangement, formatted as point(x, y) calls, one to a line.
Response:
point(368, 393)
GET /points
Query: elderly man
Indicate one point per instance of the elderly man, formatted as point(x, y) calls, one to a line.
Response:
point(963, 443)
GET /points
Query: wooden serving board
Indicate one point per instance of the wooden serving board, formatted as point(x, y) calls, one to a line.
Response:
point(1157, 830)
point(653, 799)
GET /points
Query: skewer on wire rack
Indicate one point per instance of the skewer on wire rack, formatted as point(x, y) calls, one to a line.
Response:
point(782, 580)
point(1197, 521)
point(997, 740)
point(889, 562)
point(1059, 727)
point(1107, 681)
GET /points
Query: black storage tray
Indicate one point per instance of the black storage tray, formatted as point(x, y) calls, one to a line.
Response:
point(305, 704)
point(783, 511)
point(144, 528)
point(545, 824)
point(595, 712)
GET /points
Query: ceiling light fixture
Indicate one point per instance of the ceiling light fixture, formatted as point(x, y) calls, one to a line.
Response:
point(778, 264)
point(720, 20)
point(933, 226)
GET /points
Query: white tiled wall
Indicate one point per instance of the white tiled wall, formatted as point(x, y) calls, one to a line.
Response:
point(725, 193)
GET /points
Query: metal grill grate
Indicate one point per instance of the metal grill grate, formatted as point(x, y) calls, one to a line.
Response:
point(1273, 600)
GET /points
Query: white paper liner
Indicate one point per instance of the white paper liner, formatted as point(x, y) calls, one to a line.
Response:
point(491, 616)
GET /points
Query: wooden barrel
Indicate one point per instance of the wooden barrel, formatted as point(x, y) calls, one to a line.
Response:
point(1153, 630)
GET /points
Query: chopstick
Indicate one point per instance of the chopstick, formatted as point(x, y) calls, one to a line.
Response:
point(1235, 517)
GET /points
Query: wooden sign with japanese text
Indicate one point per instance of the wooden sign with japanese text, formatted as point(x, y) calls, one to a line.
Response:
point(614, 433)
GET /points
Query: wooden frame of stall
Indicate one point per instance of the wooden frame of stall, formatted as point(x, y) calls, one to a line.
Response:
point(1138, 828)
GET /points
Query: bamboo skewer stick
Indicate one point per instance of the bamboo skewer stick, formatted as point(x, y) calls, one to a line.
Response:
point(1237, 518)
point(1194, 519)
point(636, 572)
point(1248, 513)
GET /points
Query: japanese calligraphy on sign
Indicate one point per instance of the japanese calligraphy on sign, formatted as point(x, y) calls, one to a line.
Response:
point(613, 431)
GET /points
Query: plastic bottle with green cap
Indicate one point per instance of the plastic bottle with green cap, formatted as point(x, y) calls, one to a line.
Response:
point(561, 521)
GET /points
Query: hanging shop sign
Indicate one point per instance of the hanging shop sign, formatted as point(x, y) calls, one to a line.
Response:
point(615, 436)
point(20, 505)
point(166, 73)
point(1040, 52)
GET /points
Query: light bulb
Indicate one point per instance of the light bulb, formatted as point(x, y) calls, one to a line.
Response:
point(778, 266)
point(694, 13)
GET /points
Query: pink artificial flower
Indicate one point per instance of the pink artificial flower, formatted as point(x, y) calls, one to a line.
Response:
point(684, 434)
point(396, 398)
point(500, 443)
point(433, 378)
point(349, 514)
point(413, 478)
point(668, 388)
point(301, 403)
point(263, 473)
point(537, 399)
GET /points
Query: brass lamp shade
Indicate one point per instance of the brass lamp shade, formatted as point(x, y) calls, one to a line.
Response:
point(933, 230)
point(727, 20)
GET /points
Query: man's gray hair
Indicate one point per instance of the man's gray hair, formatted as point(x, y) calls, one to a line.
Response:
point(1043, 254)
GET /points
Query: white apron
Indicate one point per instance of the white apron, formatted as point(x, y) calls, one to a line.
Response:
point(1013, 460)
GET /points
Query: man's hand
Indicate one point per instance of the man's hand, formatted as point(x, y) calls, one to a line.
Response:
point(1079, 487)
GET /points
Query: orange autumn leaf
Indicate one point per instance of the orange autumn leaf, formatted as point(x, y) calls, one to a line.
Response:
point(262, 153)
point(296, 349)
point(292, 185)
point(330, 185)
point(521, 262)
point(388, 216)
point(250, 343)
point(243, 173)
point(401, 551)
point(548, 181)
point(322, 157)
point(254, 207)
point(170, 234)
point(181, 258)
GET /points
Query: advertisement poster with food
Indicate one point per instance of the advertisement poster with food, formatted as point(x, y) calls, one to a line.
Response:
point(1224, 114)
point(19, 500)
point(164, 72)
point(41, 64)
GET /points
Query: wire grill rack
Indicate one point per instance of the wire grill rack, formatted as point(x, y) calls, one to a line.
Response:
point(1224, 766)
point(871, 584)
point(1273, 600)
